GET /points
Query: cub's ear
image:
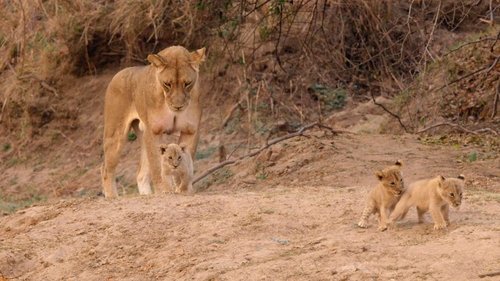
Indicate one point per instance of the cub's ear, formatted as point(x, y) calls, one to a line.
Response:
point(399, 163)
point(183, 147)
point(163, 148)
point(197, 57)
point(379, 175)
point(156, 60)
point(461, 177)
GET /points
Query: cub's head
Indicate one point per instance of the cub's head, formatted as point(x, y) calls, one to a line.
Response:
point(171, 155)
point(177, 74)
point(451, 189)
point(391, 178)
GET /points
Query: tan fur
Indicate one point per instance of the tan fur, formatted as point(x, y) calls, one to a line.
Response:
point(434, 195)
point(177, 163)
point(384, 196)
point(162, 97)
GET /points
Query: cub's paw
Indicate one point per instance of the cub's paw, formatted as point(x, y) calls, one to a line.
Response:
point(438, 226)
point(382, 227)
point(363, 224)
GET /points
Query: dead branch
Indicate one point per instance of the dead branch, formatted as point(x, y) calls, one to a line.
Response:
point(495, 103)
point(231, 111)
point(298, 133)
point(491, 274)
point(470, 43)
point(388, 111)
point(456, 126)
point(487, 68)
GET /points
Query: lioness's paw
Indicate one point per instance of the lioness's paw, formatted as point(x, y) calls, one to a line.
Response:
point(438, 226)
point(363, 224)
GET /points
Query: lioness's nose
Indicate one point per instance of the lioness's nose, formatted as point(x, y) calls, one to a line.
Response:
point(178, 107)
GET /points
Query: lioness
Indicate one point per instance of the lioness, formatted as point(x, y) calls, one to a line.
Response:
point(177, 165)
point(162, 97)
point(434, 195)
point(384, 196)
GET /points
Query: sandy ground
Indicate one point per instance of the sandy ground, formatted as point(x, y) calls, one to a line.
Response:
point(274, 217)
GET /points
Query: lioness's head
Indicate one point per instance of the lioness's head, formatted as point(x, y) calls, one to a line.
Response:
point(451, 189)
point(177, 74)
point(392, 178)
point(171, 155)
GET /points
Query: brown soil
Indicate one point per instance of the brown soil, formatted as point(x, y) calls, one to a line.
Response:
point(288, 215)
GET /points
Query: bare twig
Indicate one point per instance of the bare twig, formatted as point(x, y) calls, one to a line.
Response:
point(388, 111)
point(470, 43)
point(298, 133)
point(491, 274)
point(475, 132)
point(495, 103)
point(230, 113)
point(487, 68)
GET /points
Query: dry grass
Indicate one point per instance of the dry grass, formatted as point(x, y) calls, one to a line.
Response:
point(279, 51)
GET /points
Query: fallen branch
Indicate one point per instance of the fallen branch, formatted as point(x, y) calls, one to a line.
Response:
point(470, 43)
point(495, 103)
point(300, 132)
point(491, 274)
point(487, 68)
point(475, 132)
point(388, 111)
point(231, 111)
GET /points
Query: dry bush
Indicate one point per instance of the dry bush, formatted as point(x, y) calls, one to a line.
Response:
point(293, 59)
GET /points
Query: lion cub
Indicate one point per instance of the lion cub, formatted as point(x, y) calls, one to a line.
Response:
point(176, 162)
point(434, 195)
point(384, 196)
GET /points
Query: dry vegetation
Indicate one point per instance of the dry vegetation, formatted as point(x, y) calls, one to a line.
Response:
point(296, 61)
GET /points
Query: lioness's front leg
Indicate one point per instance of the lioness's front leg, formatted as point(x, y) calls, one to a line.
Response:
point(191, 142)
point(153, 157)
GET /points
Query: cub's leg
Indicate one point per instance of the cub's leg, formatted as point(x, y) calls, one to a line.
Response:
point(369, 209)
point(437, 217)
point(400, 210)
point(420, 213)
point(383, 218)
point(445, 209)
point(183, 185)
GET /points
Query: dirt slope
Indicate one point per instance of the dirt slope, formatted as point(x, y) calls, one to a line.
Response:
point(296, 222)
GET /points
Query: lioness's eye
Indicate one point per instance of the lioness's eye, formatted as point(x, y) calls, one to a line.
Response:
point(170, 157)
point(179, 158)
point(393, 183)
point(452, 195)
point(167, 85)
point(187, 84)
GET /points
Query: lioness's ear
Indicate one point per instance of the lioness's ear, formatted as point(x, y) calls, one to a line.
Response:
point(399, 163)
point(379, 175)
point(197, 57)
point(461, 177)
point(156, 60)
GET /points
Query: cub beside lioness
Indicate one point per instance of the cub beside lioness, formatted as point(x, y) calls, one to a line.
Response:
point(384, 196)
point(176, 163)
point(434, 195)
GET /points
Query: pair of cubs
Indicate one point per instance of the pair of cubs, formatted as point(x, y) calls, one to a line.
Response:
point(391, 201)
point(177, 167)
